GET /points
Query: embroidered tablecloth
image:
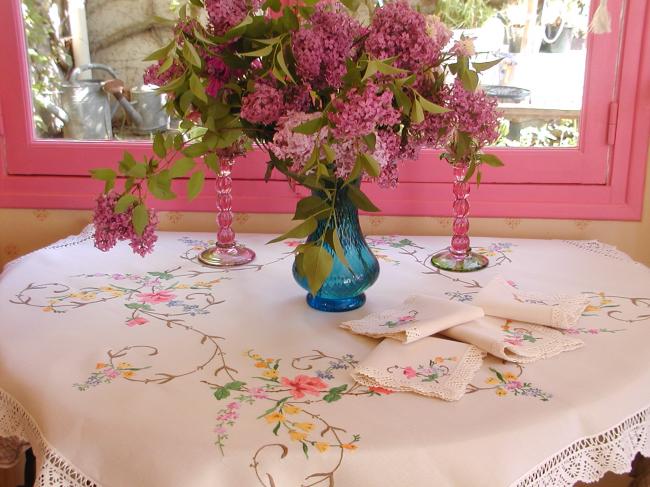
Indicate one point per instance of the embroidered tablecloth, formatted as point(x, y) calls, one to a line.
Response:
point(122, 371)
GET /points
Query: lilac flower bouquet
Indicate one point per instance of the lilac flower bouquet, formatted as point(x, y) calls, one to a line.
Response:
point(331, 99)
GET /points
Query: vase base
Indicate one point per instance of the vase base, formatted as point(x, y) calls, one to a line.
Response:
point(449, 262)
point(336, 305)
point(227, 256)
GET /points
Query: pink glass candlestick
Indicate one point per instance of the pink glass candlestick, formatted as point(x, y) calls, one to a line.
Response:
point(227, 252)
point(458, 257)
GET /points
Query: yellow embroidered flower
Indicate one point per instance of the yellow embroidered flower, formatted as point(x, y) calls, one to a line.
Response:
point(321, 447)
point(492, 380)
point(261, 365)
point(106, 289)
point(269, 360)
point(48, 309)
point(87, 296)
point(270, 374)
point(202, 284)
point(100, 365)
point(591, 308)
point(128, 373)
point(439, 360)
point(291, 409)
point(297, 435)
point(274, 417)
point(256, 356)
point(509, 376)
point(124, 365)
point(181, 286)
point(501, 392)
point(304, 426)
point(117, 294)
point(349, 446)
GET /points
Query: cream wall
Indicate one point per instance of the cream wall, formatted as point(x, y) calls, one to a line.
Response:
point(22, 231)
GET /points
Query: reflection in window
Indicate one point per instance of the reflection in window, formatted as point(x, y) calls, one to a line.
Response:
point(539, 83)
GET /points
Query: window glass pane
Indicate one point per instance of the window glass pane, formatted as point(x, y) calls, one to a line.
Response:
point(539, 83)
point(115, 36)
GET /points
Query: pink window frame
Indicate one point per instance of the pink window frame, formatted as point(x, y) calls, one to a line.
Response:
point(601, 179)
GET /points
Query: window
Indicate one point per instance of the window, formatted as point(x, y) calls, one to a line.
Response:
point(575, 136)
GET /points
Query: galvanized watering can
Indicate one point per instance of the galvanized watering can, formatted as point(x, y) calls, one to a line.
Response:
point(86, 109)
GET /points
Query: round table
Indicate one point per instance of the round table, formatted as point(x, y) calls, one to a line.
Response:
point(122, 371)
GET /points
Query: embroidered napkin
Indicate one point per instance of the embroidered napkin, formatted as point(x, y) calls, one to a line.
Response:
point(500, 298)
point(513, 341)
point(418, 317)
point(431, 367)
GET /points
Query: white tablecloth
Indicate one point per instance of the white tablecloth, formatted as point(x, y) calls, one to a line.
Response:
point(122, 371)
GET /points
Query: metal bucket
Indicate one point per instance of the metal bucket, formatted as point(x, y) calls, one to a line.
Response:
point(87, 106)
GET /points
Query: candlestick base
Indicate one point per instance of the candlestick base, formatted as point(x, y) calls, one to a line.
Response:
point(227, 255)
point(470, 262)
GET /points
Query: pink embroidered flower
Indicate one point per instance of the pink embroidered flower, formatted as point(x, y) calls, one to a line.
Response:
point(153, 298)
point(593, 331)
point(571, 331)
point(303, 384)
point(137, 321)
point(514, 341)
point(380, 390)
point(111, 373)
point(410, 372)
point(233, 405)
point(258, 393)
point(513, 385)
point(220, 430)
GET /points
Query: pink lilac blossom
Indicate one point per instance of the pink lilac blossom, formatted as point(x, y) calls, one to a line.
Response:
point(265, 105)
point(475, 113)
point(321, 50)
point(153, 76)
point(386, 153)
point(399, 31)
point(297, 98)
point(464, 47)
point(297, 147)
point(218, 74)
point(346, 153)
point(111, 227)
point(362, 112)
point(226, 14)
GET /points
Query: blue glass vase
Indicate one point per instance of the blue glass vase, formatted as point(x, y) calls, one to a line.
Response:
point(343, 290)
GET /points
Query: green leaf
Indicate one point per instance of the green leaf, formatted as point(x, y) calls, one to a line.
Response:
point(191, 55)
point(263, 51)
point(160, 53)
point(370, 140)
point(235, 385)
point(360, 200)
point(479, 67)
point(479, 176)
point(196, 150)
point(334, 394)
point(181, 167)
point(159, 146)
point(417, 114)
point(316, 266)
point(338, 248)
point(140, 218)
point(212, 162)
point(138, 171)
point(301, 231)
point(283, 65)
point(103, 174)
point(469, 79)
point(221, 393)
point(402, 99)
point(195, 185)
point(277, 428)
point(491, 160)
point(371, 69)
point(385, 68)
point(330, 155)
point(197, 88)
point(125, 201)
point(311, 126)
point(463, 145)
point(431, 107)
point(159, 185)
point(371, 165)
point(470, 172)
point(308, 207)
point(126, 163)
point(305, 449)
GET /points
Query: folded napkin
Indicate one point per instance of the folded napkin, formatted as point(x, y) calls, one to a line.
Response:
point(416, 318)
point(432, 367)
point(513, 341)
point(500, 298)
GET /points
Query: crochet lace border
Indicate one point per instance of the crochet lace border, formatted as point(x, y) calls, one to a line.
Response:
point(585, 460)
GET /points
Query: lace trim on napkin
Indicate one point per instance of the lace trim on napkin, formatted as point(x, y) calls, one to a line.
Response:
point(588, 459)
point(396, 321)
point(451, 388)
point(55, 470)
